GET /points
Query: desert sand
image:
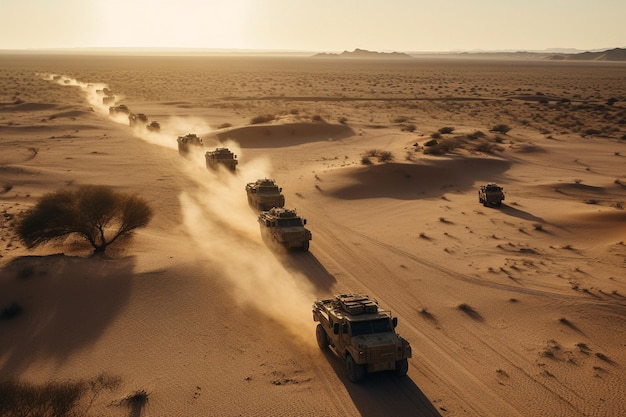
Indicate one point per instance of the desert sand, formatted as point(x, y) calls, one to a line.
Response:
point(512, 311)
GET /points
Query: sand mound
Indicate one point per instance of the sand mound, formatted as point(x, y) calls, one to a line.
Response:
point(27, 107)
point(279, 135)
point(412, 181)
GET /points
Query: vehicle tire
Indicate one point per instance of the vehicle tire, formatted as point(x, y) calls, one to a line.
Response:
point(355, 371)
point(305, 246)
point(322, 337)
point(402, 367)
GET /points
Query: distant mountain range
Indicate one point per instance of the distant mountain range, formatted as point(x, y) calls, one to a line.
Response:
point(615, 54)
point(362, 53)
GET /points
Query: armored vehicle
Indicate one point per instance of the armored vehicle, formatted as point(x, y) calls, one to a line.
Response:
point(153, 126)
point(362, 334)
point(185, 143)
point(221, 156)
point(491, 195)
point(108, 100)
point(284, 227)
point(122, 108)
point(134, 119)
point(264, 194)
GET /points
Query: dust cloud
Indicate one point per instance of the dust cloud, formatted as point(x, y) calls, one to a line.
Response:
point(222, 227)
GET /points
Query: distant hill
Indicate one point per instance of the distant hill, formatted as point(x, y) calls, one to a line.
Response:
point(363, 54)
point(616, 54)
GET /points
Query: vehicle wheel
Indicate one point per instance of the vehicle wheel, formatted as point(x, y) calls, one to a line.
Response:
point(322, 337)
point(305, 246)
point(356, 372)
point(402, 367)
point(499, 203)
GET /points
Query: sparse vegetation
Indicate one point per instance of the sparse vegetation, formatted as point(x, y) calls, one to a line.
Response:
point(95, 213)
point(262, 119)
point(381, 156)
point(500, 128)
point(446, 130)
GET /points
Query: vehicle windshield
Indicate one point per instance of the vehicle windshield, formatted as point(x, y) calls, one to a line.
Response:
point(291, 222)
point(369, 327)
point(268, 190)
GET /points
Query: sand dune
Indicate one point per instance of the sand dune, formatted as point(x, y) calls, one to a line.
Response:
point(512, 311)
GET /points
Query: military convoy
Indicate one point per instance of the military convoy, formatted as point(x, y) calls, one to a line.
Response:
point(263, 194)
point(362, 334)
point(491, 195)
point(190, 140)
point(284, 227)
point(220, 156)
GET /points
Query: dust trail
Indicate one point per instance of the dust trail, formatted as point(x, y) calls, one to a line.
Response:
point(222, 227)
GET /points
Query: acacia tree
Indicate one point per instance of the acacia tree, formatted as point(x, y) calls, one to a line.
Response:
point(95, 212)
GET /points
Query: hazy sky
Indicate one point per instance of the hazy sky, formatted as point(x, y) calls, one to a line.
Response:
point(314, 25)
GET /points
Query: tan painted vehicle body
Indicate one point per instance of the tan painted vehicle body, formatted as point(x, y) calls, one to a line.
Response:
point(362, 334)
point(284, 227)
point(185, 143)
point(221, 156)
point(491, 195)
point(263, 194)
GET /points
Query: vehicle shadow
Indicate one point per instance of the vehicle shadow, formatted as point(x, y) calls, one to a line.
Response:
point(308, 265)
point(61, 303)
point(521, 214)
point(383, 393)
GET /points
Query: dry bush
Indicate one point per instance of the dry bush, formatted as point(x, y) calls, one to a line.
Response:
point(52, 399)
point(446, 130)
point(500, 128)
point(262, 119)
point(96, 213)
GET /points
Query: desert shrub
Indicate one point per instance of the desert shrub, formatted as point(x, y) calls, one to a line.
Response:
point(446, 129)
point(475, 135)
point(342, 120)
point(500, 128)
point(443, 147)
point(385, 156)
point(409, 128)
point(11, 311)
point(6, 188)
point(96, 213)
point(382, 156)
point(487, 147)
point(431, 142)
point(224, 125)
point(435, 135)
point(262, 119)
point(52, 399)
point(400, 119)
point(591, 132)
point(317, 118)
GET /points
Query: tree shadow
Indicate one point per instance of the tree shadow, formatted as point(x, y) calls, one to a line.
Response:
point(383, 393)
point(66, 303)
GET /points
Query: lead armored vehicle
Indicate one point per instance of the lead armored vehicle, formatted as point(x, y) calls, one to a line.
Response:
point(491, 195)
point(362, 334)
point(263, 194)
point(284, 227)
point(221, 156)
point(185, 143)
